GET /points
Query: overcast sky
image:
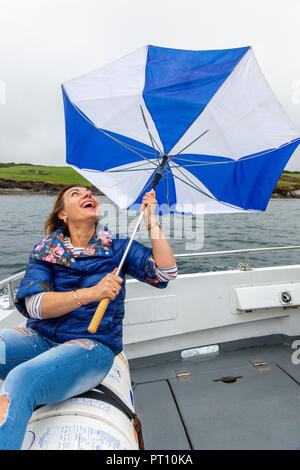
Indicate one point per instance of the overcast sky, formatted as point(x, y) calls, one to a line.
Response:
point(43, 43)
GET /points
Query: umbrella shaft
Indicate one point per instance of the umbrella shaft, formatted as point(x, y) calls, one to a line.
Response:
point(159, 171)
point(130, 243)
point(155, 182)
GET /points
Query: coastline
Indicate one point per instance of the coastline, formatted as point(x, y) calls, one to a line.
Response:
point(53, 191)
point(288, 187)
point(287, 195)
point(22, 188)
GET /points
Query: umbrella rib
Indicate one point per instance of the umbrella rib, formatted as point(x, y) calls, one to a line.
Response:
point(150, 135)
point(197, 138)
point(217, 134)
point(128, 146)
point(136, 168)
point(199, 162)
point(166, 183)
point(133, 168)
point(231, 160)
point(202, 163)
point(142, 150)
point(193, 186)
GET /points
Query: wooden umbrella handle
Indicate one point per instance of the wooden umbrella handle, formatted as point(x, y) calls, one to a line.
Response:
point(93, 326)
point(102, 306)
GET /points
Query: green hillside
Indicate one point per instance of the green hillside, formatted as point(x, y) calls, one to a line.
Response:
point(47, 174)
point(28, 176)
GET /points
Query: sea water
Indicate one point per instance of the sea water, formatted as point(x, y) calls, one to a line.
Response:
point(22, 218)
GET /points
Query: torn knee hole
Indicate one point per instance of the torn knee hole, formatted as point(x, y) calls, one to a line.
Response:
point(84, 343)
point(4, 405)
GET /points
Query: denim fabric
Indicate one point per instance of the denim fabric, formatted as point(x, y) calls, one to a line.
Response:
point(39, 371)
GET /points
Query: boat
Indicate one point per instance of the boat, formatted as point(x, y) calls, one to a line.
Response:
point(210, 363)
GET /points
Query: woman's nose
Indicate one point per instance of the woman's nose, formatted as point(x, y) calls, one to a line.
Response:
point(88, 192)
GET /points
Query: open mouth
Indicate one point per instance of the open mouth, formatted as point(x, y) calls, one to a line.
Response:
point(88, 205)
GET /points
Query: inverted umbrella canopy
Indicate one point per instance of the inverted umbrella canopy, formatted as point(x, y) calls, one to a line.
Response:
point(211, 113)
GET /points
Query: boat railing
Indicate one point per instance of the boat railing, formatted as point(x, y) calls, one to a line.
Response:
point(242, 266)
point(9, 281)
point(9, 284)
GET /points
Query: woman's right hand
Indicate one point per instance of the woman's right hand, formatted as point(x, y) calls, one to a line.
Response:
point(56, 304)
point(109, 286)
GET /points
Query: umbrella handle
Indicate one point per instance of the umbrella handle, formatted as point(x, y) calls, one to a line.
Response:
point(93, 326)
point(102, 306)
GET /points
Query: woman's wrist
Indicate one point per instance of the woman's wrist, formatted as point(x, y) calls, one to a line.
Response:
point(84, 296)
point(75, 296)
point(152, 225)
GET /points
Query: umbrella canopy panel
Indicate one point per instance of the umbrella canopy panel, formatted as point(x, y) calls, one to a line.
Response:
point(212, 113)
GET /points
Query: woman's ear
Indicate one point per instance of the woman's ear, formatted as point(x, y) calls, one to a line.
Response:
point(62, 216)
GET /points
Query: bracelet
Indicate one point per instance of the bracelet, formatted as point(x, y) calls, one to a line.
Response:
point(76, 298)
point(153, 224)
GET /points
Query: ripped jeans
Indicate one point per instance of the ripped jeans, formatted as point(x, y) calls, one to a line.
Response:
point(39, 371)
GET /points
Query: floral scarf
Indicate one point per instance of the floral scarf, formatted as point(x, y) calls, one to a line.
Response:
point(53, 250)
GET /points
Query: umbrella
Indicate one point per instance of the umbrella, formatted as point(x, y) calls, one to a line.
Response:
point(204, 122)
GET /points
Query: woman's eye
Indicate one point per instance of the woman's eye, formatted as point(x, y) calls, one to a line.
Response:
point(74, 192)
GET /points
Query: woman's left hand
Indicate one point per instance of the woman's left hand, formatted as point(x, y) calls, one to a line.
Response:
point(149, 201)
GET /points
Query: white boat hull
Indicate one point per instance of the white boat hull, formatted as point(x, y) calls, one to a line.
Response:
point(203, 308)
point(196, 310)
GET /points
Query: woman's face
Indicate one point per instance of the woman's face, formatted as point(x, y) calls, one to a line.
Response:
point(80, 205)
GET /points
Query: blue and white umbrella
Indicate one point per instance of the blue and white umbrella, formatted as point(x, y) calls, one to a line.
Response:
point(205, 123)
point(209, 116)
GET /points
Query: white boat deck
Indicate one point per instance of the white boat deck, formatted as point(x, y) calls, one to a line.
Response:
point(182, 407)
point(250, 315)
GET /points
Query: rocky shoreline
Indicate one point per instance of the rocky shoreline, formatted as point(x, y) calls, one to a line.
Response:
point(48, 189)
point(294, 194)
point(34, 187)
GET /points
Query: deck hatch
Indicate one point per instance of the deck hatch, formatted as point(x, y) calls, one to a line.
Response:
point(260, 411)
point(260, 366)
point(265, 296)
point(182, 375)
point(162, 423)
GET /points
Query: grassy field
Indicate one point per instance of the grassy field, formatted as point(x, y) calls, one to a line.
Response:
point(288, 181)
point(46, 174)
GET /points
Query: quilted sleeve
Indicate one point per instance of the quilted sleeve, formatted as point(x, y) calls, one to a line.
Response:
point(38, 278)
point(140, 265)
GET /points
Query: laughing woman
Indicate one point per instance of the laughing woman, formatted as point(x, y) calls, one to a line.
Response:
point(69, 272)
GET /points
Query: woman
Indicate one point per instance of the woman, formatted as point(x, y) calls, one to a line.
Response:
point(69, 272)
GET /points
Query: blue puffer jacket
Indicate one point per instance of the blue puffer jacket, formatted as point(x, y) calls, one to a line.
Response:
point(52, 267)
